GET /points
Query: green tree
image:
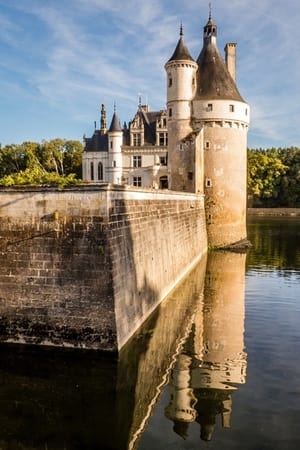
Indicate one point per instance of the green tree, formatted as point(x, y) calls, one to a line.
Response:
point(290, 184)
point(265, 172)
point(54, 162)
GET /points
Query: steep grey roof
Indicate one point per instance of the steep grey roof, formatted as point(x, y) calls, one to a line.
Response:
point(149, 120)
point(115, 124)
point(181, 52)
point(213, 79)
point(97, 143)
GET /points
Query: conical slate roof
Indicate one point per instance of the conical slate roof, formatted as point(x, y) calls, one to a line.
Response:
point(115, 123)
point(181, 51)
point(213, 79)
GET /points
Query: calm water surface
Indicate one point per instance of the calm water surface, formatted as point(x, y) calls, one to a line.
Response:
point(217, 366)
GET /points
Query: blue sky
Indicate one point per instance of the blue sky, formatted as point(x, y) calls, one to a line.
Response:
point(60, 59)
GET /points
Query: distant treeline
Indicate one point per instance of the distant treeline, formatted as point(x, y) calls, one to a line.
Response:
point(274, 177)
point(273, 174)
point(56, 162)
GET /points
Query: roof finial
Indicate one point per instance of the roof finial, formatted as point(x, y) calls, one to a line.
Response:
point(209, 18)
point(181, 29)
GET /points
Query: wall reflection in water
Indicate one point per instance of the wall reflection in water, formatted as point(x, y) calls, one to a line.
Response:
point(65, 399)
point(212, 362)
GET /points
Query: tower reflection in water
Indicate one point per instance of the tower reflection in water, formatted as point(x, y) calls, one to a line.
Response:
point(212, 362)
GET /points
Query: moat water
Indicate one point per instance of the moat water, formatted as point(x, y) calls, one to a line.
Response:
point(217, 366)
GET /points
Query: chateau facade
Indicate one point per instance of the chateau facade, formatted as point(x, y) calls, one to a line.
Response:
point(135, 155)
point(198, 144)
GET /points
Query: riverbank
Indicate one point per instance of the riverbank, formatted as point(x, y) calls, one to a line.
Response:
point(273, 211)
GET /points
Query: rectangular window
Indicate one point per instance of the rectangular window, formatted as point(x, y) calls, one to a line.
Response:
point(137, 139)
point(207, 145)
point(163, 139)
point(209, 107)
point(170, 112)
point(137, 161)
point(170, 81)
point(208, 182)
point(163, 161)
point(231, 108)
point(92, 171)
point(137, 181)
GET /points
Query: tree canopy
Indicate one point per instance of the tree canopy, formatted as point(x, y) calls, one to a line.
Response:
point(274, 177)
point(273, 174)
point(54, 162)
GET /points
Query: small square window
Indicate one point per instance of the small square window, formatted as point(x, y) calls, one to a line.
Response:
point(208, 182)
point(137, 181)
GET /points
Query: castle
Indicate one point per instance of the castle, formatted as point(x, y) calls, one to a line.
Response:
point(198, 144)
point(87, 265)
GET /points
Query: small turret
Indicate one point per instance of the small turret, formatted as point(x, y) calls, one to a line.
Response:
point(115, 141)
point(181, 87)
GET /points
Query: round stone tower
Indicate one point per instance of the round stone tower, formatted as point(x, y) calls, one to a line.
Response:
point(181, 88)
point(115, 140)
point(223, 116)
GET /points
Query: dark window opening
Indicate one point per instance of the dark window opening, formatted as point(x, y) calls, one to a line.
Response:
point(92, 171)
point(137, 181)
point(163, 182)
point(100, 171)
point(137, 161)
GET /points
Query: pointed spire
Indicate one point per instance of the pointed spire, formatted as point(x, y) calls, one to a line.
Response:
point(210, 29)
point(181, 51)
point(115, 122)
point(103, 126)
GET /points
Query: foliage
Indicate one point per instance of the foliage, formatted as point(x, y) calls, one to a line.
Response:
point(56, 163)
point(274, 177)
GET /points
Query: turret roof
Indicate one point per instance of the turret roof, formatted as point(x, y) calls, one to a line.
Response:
point(115, 123)
point(213, 79)
point(181, 51)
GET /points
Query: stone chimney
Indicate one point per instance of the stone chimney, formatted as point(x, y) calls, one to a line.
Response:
point(230, 57)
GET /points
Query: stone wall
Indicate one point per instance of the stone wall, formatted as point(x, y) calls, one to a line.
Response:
point(86, 266)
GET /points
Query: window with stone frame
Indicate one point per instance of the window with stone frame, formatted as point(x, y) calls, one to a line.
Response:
point(137, 181)
point(163, 138)
point(137, 161)
point(137, 139)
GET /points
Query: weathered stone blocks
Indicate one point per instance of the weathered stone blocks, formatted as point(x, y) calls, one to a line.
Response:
point(85, 267)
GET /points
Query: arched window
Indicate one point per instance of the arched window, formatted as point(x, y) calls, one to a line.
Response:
point(92, 171)
point(163, 182)
point(100, 171)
